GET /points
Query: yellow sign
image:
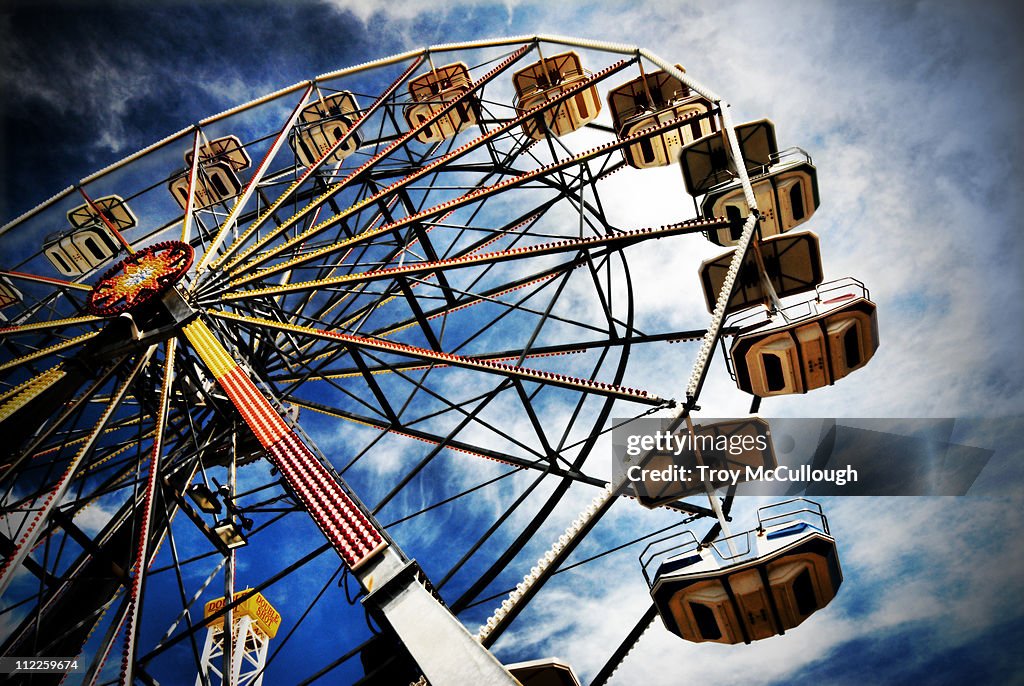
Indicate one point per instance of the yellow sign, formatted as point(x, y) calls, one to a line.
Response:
point(256, 606)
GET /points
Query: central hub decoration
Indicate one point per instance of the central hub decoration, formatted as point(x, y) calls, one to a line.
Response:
point(139, 278)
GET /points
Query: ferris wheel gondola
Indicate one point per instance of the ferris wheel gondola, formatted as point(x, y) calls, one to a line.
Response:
point(655, 98)
point(547, 81)
point(817, 342)
point(324, 124)
point(220, 161)
point(93, 239)
point(789, 264)
point(785, 183)
point(729, 591)
point(430, 93)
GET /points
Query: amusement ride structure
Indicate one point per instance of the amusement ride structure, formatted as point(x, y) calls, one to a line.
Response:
point(411, 256)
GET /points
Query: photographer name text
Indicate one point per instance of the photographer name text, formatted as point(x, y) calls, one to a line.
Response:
point(707, 474)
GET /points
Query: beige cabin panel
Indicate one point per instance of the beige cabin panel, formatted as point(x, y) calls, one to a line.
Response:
point(315, 140)
point(113, 207)
point(79, 251)
point(61, 261)
point(715, 610)
point(569, 115)
point(784, 201)
point(664, 148)
point(95, 244)
point(815, 360)
point(754, 603)
point(323, 123)
point(832, 343)
point(774, 367)
point(432, 92)
point(457, 119)
point(217, 183)
point(801, 585)
point(796, 199)
point(545, 81)
point(850, 342)
point(67, 258)
point(734, 205)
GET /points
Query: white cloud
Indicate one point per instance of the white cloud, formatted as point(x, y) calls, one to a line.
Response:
point(903, 574)
point(409, 10)
point(103, 93)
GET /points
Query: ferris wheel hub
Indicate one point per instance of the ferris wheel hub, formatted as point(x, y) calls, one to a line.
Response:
point(139, 278)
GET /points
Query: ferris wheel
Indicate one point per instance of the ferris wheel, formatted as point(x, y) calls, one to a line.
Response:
point(289, 351)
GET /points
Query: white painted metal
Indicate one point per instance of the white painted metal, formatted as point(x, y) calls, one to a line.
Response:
point(248, 657)
point(442, 647)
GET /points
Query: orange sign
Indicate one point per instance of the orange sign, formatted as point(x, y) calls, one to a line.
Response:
point(256, 606)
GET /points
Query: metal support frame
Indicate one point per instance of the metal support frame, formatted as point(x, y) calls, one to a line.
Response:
point(245, 653)
point(442, 647)
point(398, 592)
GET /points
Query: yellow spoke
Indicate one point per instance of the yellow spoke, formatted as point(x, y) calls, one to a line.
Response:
point(19, 396)
point(52, 324)
point(63, 345)
point(45, 279)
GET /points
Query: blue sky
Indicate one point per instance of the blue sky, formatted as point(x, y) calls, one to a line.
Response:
point(911, 113)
